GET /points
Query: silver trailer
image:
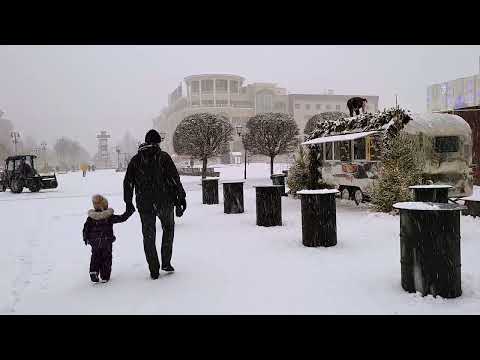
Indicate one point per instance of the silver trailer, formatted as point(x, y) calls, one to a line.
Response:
point(351, 159)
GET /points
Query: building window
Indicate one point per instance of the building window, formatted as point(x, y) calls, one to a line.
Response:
point(234, 87)
point(221, 85)
point(195, 87)
point(279, 106)
point(195, 103)
point(318, 106)
point(337, 107)
point(307, 106)
point(207, 86)
point(297, 106)
point(445, 144)
point(328, 106)
point(222, 102)
point(207, 102)
point(359, 150)
point(267, 100)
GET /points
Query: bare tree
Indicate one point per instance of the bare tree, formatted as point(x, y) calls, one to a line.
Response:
point(271, 134)
point(69, 152)
point(202, 136)
point(6, 127)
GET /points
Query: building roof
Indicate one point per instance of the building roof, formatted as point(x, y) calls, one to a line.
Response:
point(202, 76)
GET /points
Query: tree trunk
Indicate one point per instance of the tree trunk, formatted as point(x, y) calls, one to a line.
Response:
point(204, 168)
point(271, 164)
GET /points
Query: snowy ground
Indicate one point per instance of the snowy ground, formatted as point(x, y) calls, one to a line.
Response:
point(225, 263)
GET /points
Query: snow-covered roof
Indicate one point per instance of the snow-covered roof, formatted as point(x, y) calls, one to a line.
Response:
point(425, 206)
point(343, 137)
point(390, 121)
point(431, 186)
point(317, 192)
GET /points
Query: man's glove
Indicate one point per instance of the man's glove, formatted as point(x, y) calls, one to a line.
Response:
point(130, 208)
point(180, 207)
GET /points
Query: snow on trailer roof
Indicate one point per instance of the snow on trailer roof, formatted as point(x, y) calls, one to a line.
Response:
point(318, 192)
point(435, 124)
point(342, 137)
point(430, 186)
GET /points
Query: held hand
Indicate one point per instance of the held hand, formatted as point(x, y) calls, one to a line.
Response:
point(130, 208)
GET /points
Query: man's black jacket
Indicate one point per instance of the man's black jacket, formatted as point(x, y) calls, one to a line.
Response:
point(153, 175)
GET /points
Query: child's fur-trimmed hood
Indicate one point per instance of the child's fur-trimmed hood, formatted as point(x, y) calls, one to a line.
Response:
point(100, 215)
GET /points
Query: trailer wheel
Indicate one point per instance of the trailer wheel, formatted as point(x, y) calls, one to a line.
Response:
point(345, 194)
point(16, 186)
point(358, 196)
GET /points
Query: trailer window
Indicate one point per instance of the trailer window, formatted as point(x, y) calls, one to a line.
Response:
point(374, 148)
point(359, 151)
point(328, 151)
point(445, 144)
point(342, 151)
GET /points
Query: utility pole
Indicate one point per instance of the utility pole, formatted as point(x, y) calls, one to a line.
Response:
point(15, 136)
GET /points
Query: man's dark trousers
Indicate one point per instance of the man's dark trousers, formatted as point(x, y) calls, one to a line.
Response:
point(166, 215)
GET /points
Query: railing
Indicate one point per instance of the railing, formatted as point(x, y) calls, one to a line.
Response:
point(188, 171)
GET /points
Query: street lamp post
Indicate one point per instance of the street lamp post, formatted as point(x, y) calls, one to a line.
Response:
point(44, 151)
point(15, 136)
point(240, 134)
point(118, 157)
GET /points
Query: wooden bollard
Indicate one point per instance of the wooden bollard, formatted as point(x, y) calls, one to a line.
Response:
point(269, 205)
point(431, 193)
point(319, 217)
point(210, 191)
point(233, 197)
point(430, 248)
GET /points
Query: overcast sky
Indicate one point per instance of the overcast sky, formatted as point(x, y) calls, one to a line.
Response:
point(76, 91)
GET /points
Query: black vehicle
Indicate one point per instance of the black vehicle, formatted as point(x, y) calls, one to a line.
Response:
point(20, 172)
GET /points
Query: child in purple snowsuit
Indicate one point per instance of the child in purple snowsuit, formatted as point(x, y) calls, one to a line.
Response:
point(98, 232)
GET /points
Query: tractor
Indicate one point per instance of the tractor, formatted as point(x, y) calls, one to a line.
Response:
point(20, 172)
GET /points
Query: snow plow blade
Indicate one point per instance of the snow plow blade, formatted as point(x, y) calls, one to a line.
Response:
point(49, 182)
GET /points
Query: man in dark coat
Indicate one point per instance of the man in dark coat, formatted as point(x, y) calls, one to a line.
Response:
point(153, 175)
point(355, 104)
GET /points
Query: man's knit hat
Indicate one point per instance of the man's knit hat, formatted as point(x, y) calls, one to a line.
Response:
point(153, 137)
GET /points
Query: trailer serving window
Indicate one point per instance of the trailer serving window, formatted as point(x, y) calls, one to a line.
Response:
point(373, 148)
point(328, 151)
point(445, 144)
point(342, 151)
point(359, 149)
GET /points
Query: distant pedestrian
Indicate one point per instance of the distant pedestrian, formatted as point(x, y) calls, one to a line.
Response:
point(98, 233)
